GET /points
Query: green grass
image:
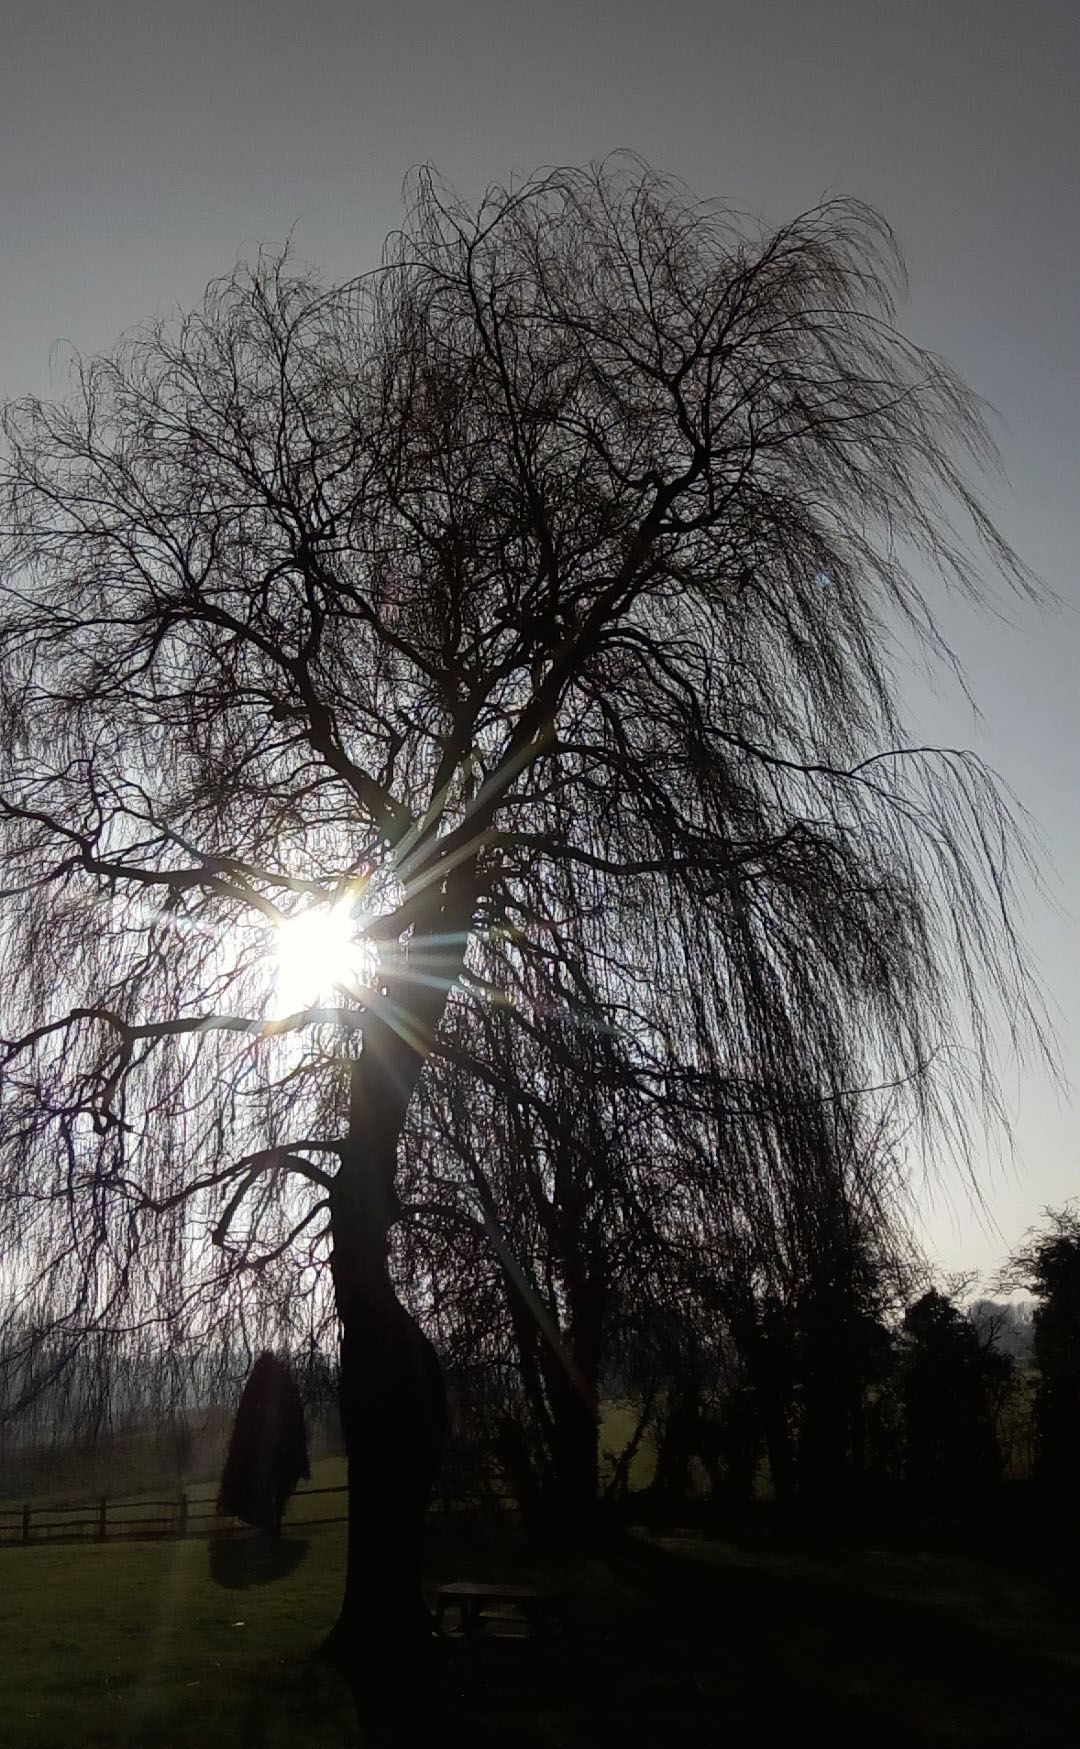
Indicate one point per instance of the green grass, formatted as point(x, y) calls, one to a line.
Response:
point(133, 1643)
point(951, 1635)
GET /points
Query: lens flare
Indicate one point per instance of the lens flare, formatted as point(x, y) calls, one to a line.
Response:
point(317, 953)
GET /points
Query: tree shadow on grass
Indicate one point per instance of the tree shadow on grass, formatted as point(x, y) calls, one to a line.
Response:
point(791, 1643)
point(766, 1638)
point(239, 1560)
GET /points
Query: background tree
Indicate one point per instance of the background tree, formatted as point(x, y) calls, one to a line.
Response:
point(1048, 1265)
point(854, 1264)
point(951, 1385)
point(1007, 1325)
point(804, 1253)
point(571, 540)
point(576, 1216)
point(544, 1146)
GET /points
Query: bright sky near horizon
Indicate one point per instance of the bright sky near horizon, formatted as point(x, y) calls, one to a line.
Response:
point(144, 146)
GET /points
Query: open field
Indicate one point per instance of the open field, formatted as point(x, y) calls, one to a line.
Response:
point(947, 1634)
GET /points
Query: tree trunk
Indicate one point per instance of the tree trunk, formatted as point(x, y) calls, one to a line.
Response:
point(393, 1399)
point(575, 1430)
point(559, 1376)
point(393, 1396)
point(393, 1412)
point(675, 1444)
point(762, 1340)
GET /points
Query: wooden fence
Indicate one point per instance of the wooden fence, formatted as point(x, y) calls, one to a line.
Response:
point(107, 1520)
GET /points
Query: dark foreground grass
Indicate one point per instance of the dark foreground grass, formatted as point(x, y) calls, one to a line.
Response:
point(960, 1634)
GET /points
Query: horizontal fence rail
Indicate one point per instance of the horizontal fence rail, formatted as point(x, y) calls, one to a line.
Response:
point(138, 1519)
point(177, 1515)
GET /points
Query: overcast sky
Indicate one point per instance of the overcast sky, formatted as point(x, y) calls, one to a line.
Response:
point(144, 146)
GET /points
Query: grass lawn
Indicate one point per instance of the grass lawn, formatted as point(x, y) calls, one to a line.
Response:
point(134, 1643)
point(957, 1635)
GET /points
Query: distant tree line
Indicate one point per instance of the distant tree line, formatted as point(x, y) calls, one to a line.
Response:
point(842, 1378)
point(571, 1248)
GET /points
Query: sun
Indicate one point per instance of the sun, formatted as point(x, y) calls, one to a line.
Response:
point(315, 952)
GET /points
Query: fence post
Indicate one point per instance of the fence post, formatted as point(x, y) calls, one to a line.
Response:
point(26, 1524)
point(101, 1526)
point(181, 1529)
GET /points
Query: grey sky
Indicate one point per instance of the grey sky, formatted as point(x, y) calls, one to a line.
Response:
point(144, 146)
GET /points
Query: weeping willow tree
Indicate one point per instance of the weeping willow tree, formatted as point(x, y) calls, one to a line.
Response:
point(363, 644)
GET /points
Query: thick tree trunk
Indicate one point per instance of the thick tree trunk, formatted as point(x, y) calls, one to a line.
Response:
point(393, 1414)
point(572, 1380)
point(575, 1433)
point(393, 1400)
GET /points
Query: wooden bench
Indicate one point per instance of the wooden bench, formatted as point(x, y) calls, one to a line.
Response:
point(502, 1611)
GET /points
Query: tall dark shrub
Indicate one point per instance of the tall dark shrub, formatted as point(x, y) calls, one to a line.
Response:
point(268, 1450)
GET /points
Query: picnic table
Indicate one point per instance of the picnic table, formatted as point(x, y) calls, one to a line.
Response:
point(501, 1611)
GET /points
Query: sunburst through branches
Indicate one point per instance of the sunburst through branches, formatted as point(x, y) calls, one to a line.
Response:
point(319, 953)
